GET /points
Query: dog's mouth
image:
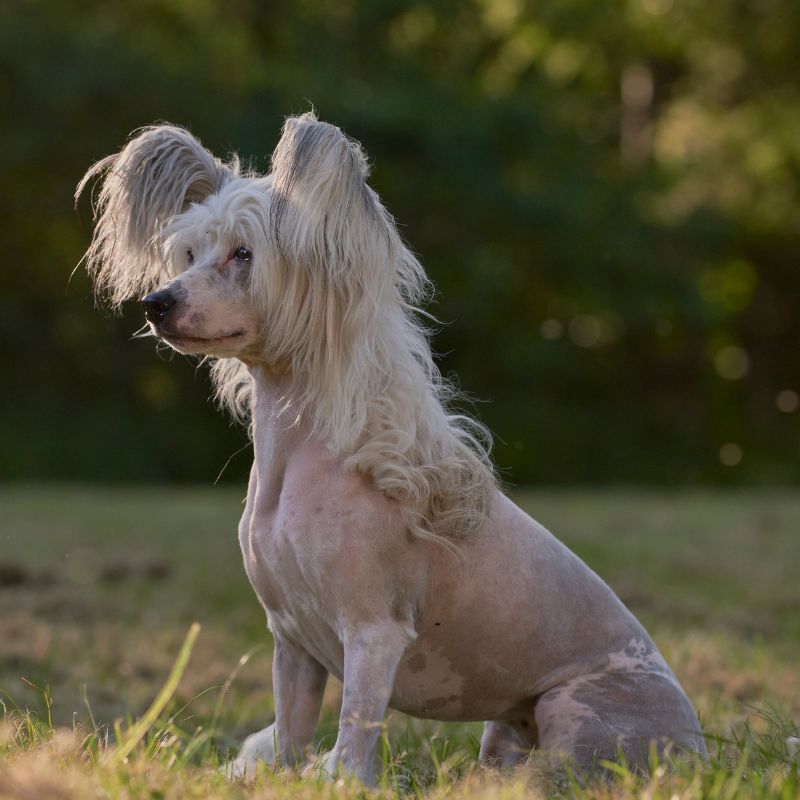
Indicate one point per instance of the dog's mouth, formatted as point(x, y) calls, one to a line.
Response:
point(175, 337)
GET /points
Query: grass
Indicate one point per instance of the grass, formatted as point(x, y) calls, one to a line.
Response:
point(98, 589)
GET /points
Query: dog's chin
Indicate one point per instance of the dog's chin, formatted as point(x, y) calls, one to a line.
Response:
point(192, 344)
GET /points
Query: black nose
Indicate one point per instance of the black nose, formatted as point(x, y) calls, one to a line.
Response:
point(158, 304)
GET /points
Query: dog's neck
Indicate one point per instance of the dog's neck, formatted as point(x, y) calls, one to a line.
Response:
point(279, 429)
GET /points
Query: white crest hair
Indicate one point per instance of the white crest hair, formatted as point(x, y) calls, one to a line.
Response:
point(338, 291)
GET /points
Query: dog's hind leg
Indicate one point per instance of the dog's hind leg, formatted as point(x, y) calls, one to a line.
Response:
point(298, 685)
point(605, 715)
point(504, 744)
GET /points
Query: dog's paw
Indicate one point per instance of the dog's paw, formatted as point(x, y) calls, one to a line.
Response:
point(257, 747)
point(332, 767)
point(319, 766)
point(241, 769)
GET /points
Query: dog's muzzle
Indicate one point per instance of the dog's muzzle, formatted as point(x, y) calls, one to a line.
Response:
point(158, 304)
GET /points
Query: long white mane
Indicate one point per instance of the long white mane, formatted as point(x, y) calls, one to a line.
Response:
point(339, 292)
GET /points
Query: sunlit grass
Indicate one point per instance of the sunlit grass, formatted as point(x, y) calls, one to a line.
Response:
point(170, 760)
point(104, 696)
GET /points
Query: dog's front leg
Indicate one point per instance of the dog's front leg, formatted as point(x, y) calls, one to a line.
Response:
point(371, 655)
point(298, 683)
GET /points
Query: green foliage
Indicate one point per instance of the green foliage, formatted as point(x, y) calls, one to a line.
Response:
point(605, 193)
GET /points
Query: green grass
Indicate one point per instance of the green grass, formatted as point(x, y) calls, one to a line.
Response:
point(98, 589)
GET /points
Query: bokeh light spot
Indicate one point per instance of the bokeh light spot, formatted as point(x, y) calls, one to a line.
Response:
point(657, 7)
point(732, 363)
point(730, 454)
point(589, 330)
point(551, 329)
point(729, 286)
point(788, 401)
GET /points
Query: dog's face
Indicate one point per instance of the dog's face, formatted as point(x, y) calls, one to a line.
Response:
point(288, 269)
point(212, 250)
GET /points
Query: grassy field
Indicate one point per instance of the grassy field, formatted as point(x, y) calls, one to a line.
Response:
point(98, 589)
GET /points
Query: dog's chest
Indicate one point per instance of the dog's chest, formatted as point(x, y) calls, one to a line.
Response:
point(289, 565)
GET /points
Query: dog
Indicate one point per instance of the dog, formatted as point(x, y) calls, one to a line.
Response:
point(374, 533)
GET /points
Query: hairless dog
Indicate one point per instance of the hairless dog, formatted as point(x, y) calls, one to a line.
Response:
point(374, 533)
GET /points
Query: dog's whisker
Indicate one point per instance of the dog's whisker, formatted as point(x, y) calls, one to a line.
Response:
point(145, 332)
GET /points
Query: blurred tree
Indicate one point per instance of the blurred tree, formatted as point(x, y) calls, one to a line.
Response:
point(605, 193)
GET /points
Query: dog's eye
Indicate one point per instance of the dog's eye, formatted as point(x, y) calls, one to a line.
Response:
point(190, 256)
point(241, 253)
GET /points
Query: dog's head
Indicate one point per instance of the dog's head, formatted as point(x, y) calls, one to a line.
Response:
point(275, 268)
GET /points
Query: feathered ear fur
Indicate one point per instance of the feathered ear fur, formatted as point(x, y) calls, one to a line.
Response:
point(155, 177)
point(325, 216)
point(322, 211)
point(325, 219)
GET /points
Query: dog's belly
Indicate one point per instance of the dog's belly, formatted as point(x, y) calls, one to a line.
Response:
point(438, 682)
point(428, 686)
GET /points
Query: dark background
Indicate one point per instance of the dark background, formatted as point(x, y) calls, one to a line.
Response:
point(606, 194)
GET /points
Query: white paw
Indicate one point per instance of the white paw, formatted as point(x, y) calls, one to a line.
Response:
point(335, 766)
point(257, 747)
point(241, 769)
point(322, 765)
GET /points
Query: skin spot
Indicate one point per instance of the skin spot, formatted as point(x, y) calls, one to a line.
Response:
point(417, 663)
point(612, 698)
point(437, 623)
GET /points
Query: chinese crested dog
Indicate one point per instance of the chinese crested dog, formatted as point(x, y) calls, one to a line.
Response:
point(374, 532)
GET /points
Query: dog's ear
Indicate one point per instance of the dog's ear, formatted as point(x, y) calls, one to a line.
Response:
point(331, 233)
point(323, 215)
point(342, 273)
point(158, 174)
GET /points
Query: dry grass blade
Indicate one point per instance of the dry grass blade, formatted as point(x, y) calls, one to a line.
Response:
point(138, 731)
